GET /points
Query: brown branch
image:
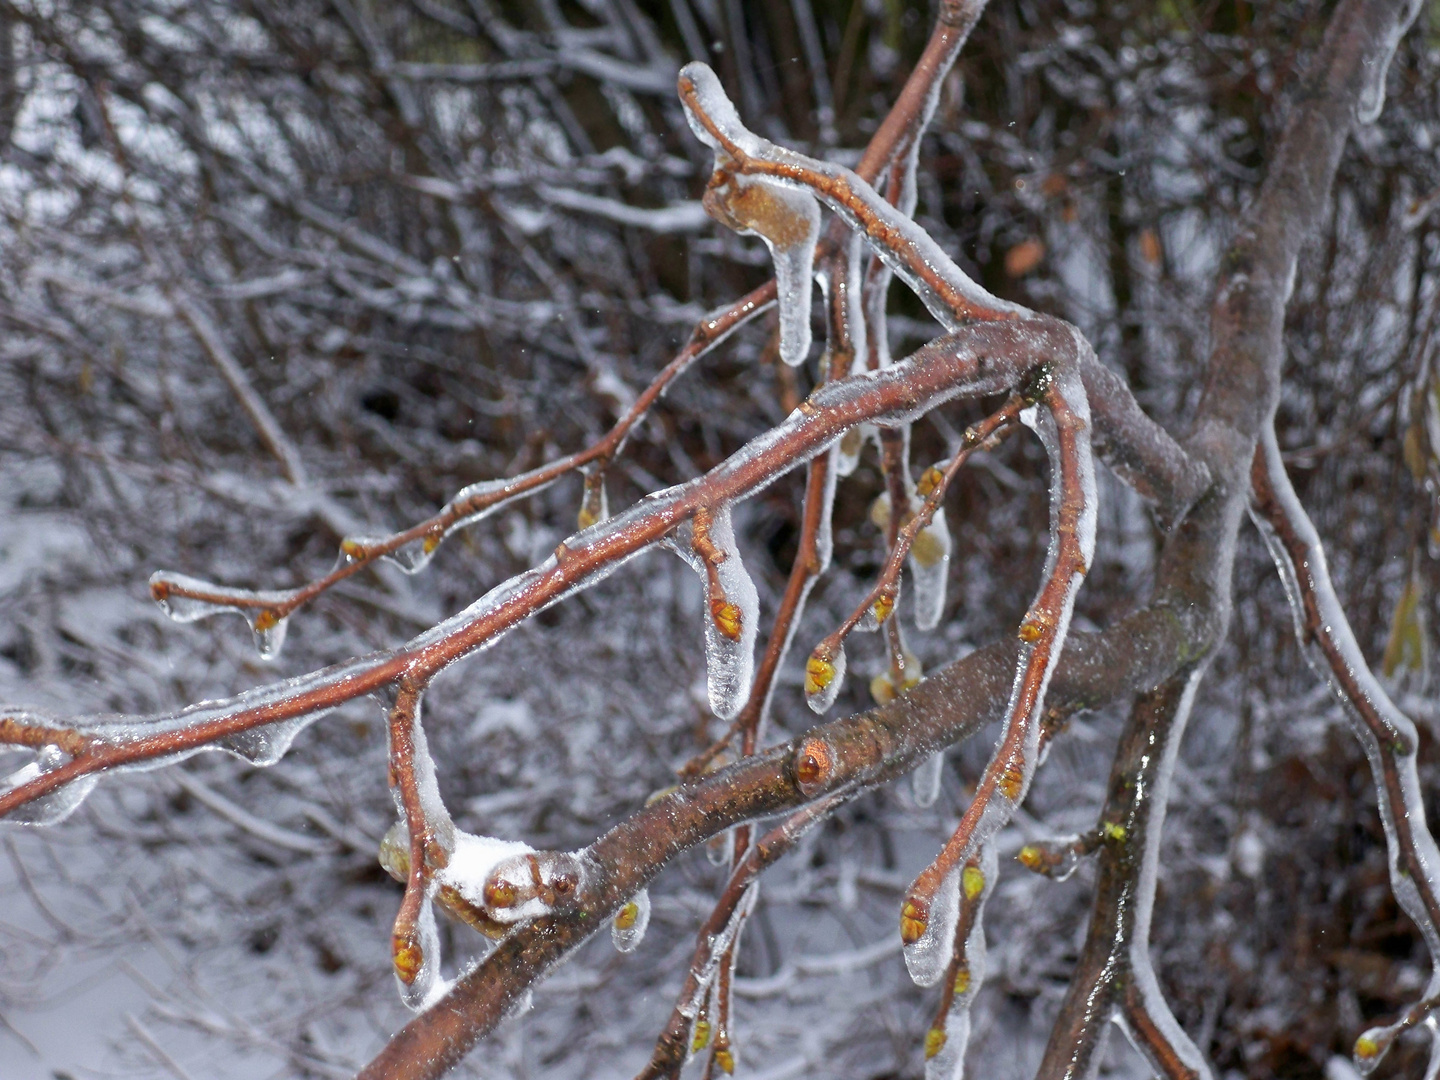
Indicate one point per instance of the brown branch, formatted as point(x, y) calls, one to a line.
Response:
point(673, 1047)
point(981, 359)
point(479, 500)
point(870, 749)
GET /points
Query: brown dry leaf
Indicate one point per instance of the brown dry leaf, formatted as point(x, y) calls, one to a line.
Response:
point(1150, 249)
point(1024, 257)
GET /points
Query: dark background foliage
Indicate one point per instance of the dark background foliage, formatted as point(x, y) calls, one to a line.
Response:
point(444, 241)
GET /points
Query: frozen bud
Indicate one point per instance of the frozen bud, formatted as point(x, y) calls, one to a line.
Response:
point(962, 979)
point(929, 547)
point(408, 957)
point(727, 617)
point(914, 917)
point(530, 885)
point(824, 675)
point(934, 1042)
point(628, 927)
point(880, 511)
point(726, 1060)
point(702, 1036)
point(814, 765)
point(929, 480)
point(1012, 780)
point(972, 880)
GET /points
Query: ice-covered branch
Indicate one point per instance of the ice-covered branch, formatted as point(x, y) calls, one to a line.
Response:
point(1114, 979)
point(1389, 737)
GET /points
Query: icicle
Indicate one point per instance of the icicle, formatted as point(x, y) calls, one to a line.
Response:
point(259, 609)
point(690, 1007)
point(928, 954)
point(54, 807)
point(628, 927)
point(786, 217)
point(824, 675)
point(719, 847)
point(930, 569)
point(267, 744)
point(708, 545)
point(926, 779)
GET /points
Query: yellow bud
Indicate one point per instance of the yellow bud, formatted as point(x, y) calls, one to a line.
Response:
point(352, 549)
point(914, 672)
point(962, 979)
point(880, 512)
point(1113, 830)
point(500, 894)
point(912, 922)
point(928, 549)
point(1012, 781)
point(586, 518)
point(431, 543)
point(726, 1060)
point(819, 673)
point(882, 689)
point(934, 1042)
point(1366, 1047)
point(702, 1036)
point(972, 880)
point(930, 479)
point(727, 619)
point(407, 958)
point(1030, 631)
point(626, 916)
point(1031, 857)
point(884, 605)
point(267, 620)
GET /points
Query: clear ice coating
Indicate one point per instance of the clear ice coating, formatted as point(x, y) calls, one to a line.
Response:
point(258, 608)
point(914, 258)
point(785, 216)
point(1398, 730)
point(823, 679)
point(627, 929)
point(689, 1006)
point(729, 660)
point(926, 779)
point(54, 807)
point(929, 956)
point(930, 570)
point(427, 986)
